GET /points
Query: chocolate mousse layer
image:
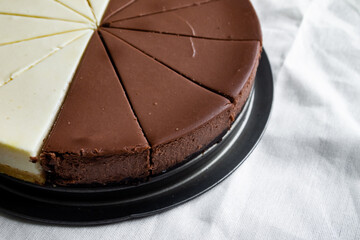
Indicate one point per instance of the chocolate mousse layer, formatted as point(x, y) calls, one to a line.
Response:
point(124, 9)
point(223, 66)
point(222, 19)
point(179, 118)
point(96, 138)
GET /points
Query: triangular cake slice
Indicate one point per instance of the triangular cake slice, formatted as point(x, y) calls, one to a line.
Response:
point(96, 129)
point(80, 7)
point(223, 66)
point(21, 56)
point(16, 29)
point(98, 7)
point(29, 105)
point(223, 19)
point(123, 9)
point(40, 8)
point(179, 118)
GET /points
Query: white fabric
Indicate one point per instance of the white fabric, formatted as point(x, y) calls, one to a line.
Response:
point(302, 181)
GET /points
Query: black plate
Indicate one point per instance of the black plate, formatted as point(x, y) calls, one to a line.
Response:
point(101, 205)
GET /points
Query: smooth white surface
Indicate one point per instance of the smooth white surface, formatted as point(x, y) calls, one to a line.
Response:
point(303, 180)
point(81, 7)
point(30, 103)
point(21, 56)
point(40, 8)
point(15, 28)
point(99, 7)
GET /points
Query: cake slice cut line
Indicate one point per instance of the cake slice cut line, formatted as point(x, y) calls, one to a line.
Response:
point(128, 4)
point(230, 98)
point(75, 11)
point(16, 29)
point(17, 73)
point(98, 9)
point(186, 35)
point(92, 11)
point(122, 84)
point(43, 17)
point(154, 13)
point(43, 36)
point(126, 94)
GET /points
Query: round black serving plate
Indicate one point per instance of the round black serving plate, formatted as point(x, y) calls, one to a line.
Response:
point(109, 204)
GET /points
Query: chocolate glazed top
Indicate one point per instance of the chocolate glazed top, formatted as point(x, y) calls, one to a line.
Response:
point(96, 118)
point(222, 19)
point(168, 105)
point(123, 9)
point(224, 66)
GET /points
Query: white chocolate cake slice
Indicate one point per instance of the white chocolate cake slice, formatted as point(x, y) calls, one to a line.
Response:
point(80, 7)
point(21, 56)
point(29, 105)
point(15, 28)
point(99, 7)
point(41, 9)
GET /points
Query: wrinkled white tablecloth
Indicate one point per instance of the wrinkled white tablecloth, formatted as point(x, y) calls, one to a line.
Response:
point(303, 180)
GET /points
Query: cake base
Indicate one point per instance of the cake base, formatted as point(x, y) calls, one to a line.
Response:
point(26, 176)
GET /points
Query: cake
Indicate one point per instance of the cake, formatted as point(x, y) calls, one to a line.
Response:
point(100, 92)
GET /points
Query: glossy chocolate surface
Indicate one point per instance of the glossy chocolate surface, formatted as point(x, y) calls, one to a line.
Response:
point(222, 19)
point(168, 105)
point(124, 9)
point(116, 6)
point(224, 66)
point(96, 118)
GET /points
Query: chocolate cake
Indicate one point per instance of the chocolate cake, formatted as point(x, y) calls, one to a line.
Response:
point(96, 137)
point(141, 85)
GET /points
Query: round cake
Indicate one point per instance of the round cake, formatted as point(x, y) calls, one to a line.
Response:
point(114, 91)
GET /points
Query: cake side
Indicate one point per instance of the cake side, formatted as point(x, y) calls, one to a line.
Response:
point(170, 154)
point(69, 169)
point(243, 96)
point(17, 163)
